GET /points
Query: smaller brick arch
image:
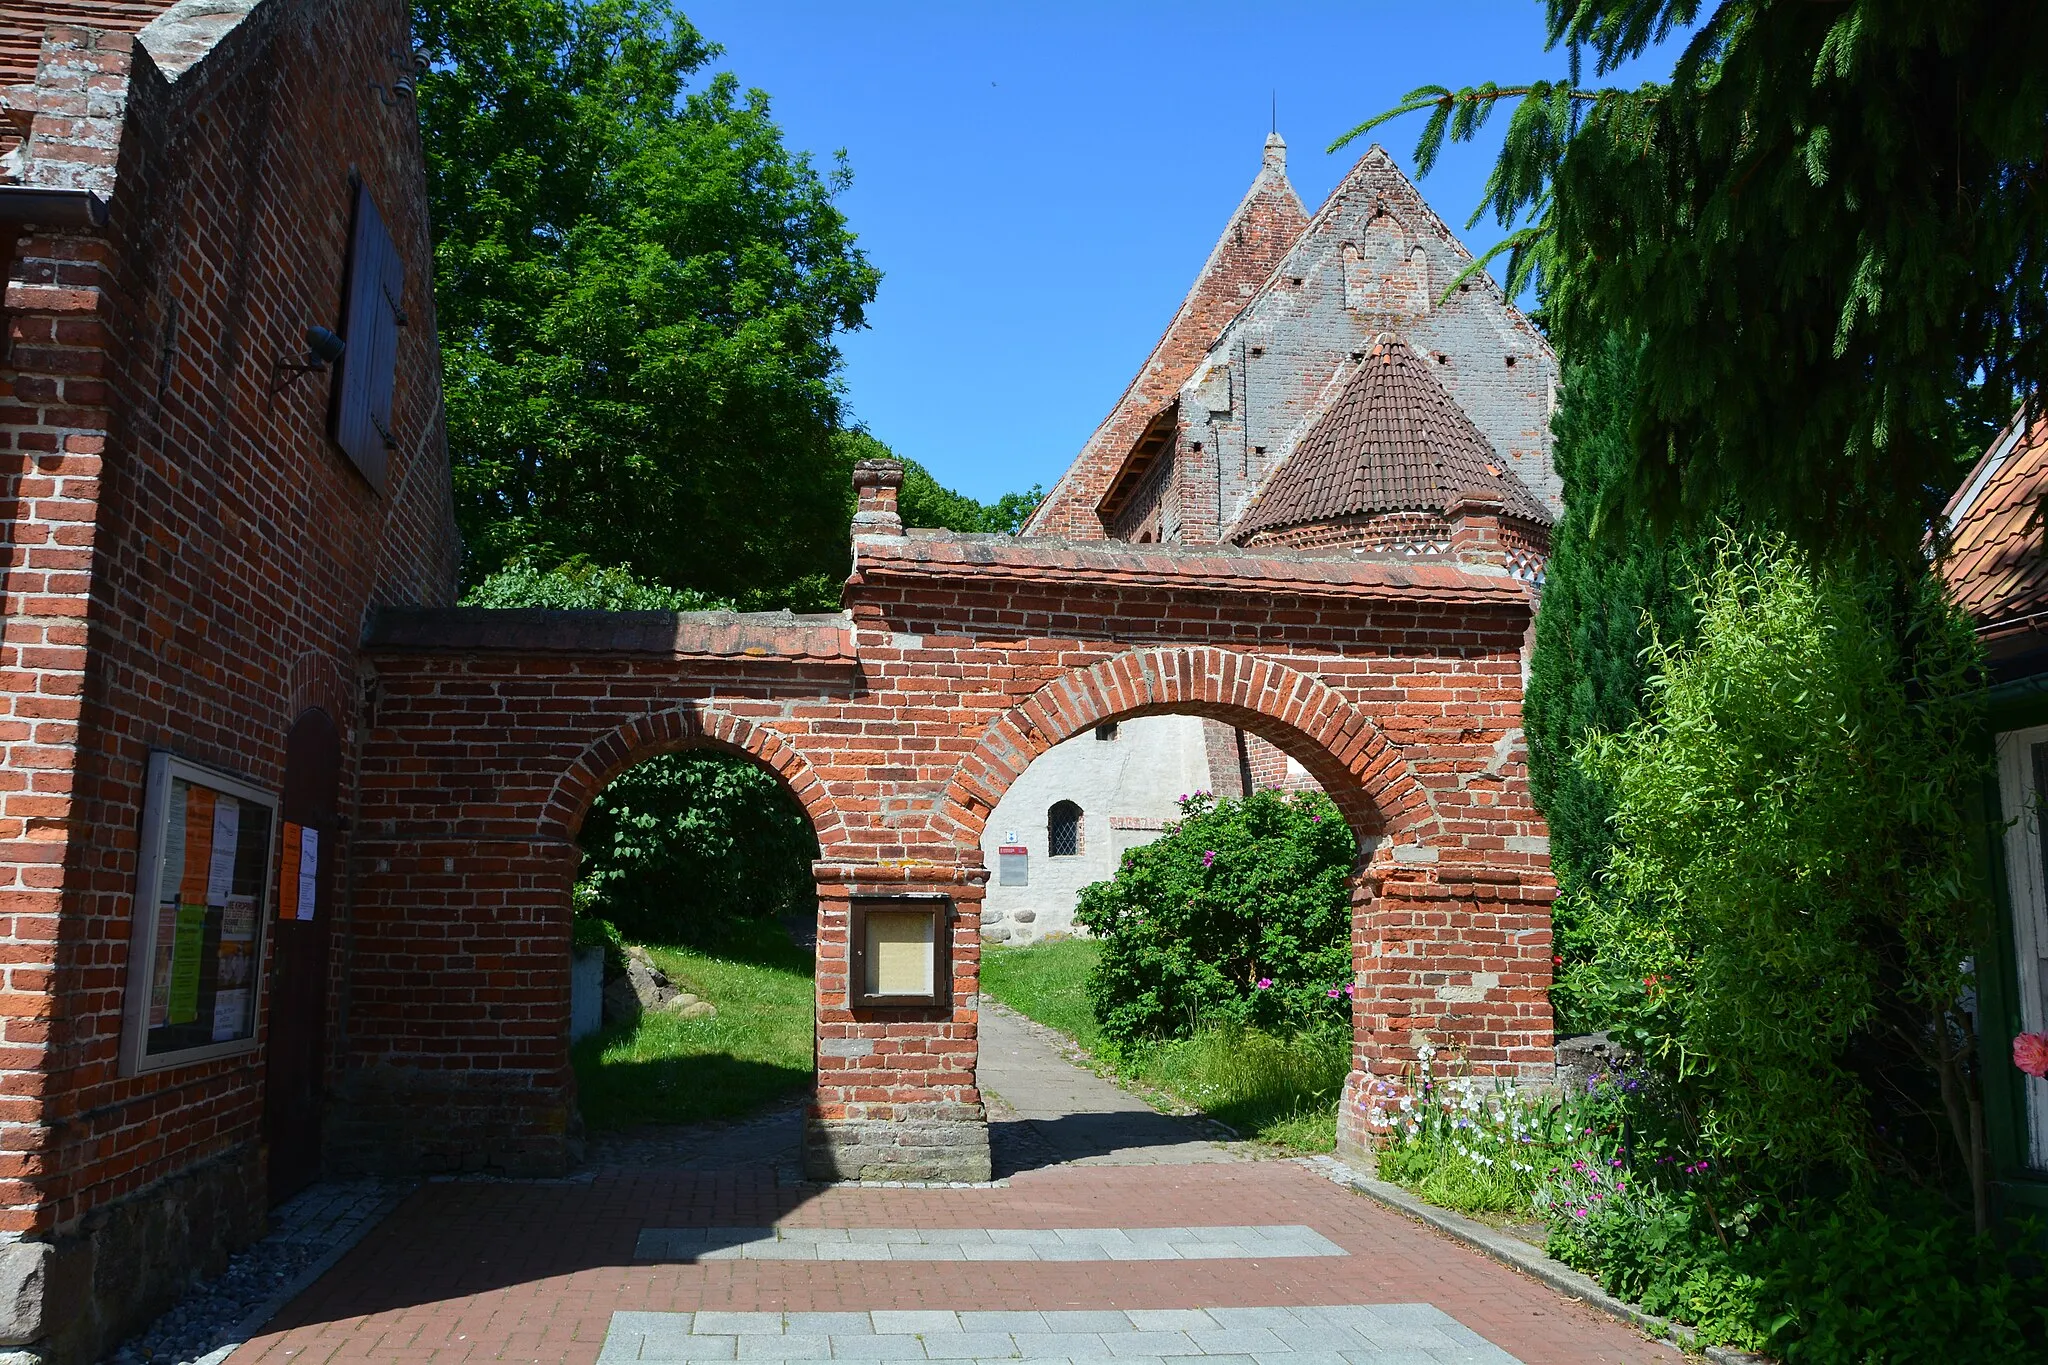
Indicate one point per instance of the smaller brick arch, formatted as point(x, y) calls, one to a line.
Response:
point(687, 727)
point(316, 679)
point(1338, 743)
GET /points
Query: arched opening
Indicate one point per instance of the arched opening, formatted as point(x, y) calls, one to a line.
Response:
point(1187, 917)
point(694, 929)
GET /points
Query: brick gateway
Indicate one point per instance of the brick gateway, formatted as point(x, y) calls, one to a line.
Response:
point(898, 725)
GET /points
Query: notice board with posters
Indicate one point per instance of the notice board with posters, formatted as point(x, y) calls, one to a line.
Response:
point(195, 956)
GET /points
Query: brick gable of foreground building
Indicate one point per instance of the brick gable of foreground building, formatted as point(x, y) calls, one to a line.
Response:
point(190, 562)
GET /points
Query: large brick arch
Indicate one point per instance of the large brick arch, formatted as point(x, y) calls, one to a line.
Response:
point(1334, 739)
point(688, 726)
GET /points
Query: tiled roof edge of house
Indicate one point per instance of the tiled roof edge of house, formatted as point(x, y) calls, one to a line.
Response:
point(946, 554)
point(768, 635)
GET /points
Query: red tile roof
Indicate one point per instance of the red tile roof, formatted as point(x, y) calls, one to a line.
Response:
point(1192, 568)
point(1996, 563)
point(1393, 441)
point(1266, 224)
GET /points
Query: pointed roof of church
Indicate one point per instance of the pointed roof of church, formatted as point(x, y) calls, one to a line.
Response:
point(1393, 441)
point(1268, 220)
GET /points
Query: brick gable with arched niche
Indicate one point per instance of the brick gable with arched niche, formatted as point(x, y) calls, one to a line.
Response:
point(898, 724)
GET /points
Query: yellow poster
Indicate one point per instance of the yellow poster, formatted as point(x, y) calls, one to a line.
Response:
point(899, 952)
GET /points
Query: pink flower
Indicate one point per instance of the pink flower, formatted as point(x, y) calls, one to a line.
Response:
point(1265, 983)
point(2030, 1053)
point(1209, 858)
point(1332, 992)
point(1316, 818)
point(1350, 990)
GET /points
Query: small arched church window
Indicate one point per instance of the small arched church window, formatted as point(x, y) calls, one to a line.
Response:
point(1063, 830)
point(1106, 731)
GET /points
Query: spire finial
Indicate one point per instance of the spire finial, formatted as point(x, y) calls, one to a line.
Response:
point(1276, 153)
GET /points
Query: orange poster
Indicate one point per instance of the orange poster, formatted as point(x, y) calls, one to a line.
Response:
point(288, 873)
point(198, 845)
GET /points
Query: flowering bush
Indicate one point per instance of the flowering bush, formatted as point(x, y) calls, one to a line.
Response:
point(1611, 1170)
point(1240, 914)
point(1459, 1140)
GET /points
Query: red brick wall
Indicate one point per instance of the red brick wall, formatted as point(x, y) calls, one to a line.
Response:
point(196, 528)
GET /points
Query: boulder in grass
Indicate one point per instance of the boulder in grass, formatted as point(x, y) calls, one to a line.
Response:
point(639, 988)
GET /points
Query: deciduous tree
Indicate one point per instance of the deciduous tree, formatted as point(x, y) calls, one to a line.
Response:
point(639, 286)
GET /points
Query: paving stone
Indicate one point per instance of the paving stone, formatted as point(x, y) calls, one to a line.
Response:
point(877, 1346)
point(785, 1346)
point(914, 1321)
point(732, 1324)
point(969, 1345)
point(1088, 1320)
point(1002, 1321)
point(1169, 1319)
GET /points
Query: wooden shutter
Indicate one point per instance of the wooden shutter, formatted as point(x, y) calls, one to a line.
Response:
point(360, 419)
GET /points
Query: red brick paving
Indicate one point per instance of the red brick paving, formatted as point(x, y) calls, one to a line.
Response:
point(530, 1271)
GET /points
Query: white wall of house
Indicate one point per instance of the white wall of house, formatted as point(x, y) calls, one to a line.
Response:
point(1127, 788)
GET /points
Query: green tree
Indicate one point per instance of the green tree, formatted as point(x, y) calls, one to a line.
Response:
point(923, 501)
point(638, 287)
point(1827, 226)
point(1608, 591)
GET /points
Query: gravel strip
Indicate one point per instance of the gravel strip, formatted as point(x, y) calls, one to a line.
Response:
point(309, 1233)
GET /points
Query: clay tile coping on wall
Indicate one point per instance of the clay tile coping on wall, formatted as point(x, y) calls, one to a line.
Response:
point(668, 634)
point(1198, 568)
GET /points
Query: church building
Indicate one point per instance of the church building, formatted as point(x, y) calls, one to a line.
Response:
point(1323, 390)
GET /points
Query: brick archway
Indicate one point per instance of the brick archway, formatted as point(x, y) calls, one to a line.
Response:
point(689, 726)
point(898, 724)
point(1334, 739)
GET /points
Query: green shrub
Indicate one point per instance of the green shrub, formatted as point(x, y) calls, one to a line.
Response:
point(1793, 846)
point(1856, 1282)
point(1240, 914)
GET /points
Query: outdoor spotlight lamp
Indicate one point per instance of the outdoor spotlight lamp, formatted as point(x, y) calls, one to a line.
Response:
point(323, 348)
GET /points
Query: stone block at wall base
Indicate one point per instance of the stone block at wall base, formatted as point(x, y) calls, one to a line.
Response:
point(1356, 1141)
point(896, 1149)
point(129, 1260)
point(392, 1120)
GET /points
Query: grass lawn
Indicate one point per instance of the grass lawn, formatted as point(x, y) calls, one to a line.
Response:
point(1283, 1091)
point(756, 1050)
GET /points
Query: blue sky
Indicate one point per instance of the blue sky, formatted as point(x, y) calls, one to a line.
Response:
point(1040, 183)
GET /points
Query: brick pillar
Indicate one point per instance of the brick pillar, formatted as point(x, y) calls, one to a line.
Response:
point(877, 482)
point(1453, 956)
point(896, 1093)
point(1475, 529)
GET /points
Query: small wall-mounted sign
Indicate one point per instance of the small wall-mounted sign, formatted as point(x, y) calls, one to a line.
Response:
point(898, 953)
point(1013, 865)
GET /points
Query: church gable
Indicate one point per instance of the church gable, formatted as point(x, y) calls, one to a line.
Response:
point(1375, 260)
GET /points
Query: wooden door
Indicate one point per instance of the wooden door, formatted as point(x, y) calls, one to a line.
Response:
point(295, 1051)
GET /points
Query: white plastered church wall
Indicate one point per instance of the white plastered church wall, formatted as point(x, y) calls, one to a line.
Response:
point(1127, 788)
